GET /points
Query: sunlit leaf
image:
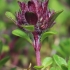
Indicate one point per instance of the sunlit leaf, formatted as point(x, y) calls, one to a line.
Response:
point(21, 34)
point(46, 34)
point(59, 60)
point(28, 27)
point(38, 67)
point(47, 62)
point(10, 16)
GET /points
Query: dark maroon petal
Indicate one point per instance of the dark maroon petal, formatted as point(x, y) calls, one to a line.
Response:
point(31, 6)
point(31, 18)
point(19, 18)
point(23, 6)
point(45, 4)
point(40, 10)
point(49, 13)
point(36, 2)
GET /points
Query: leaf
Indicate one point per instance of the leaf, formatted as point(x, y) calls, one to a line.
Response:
point(54, 16)
point(65, 46)
point(46, 34)
point(13, 68)
point(28, 27)
point(10, 16)
point(59, 60)
point(52, 68)
point(47, 62)
point(4, 60)
point(21, 34)
point(59, 50)
point(64, 67)
point(68, 64)
point(1, 46)
point(55, 68)
point(38, 67)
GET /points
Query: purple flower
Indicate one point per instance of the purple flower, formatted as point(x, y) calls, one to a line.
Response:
point(35, 13)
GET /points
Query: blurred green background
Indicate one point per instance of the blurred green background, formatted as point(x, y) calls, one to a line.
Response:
point(57, 44)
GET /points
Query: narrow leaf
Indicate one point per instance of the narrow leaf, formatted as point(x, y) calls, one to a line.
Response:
point(46, 34)
point(28, 27)
point(1, 46)
point(54, 16)
point(4, 60)
point(59, 60)
point(38, 67)
point(68, 64)
point(21, 34)
point(10, 16)
point(47, 62)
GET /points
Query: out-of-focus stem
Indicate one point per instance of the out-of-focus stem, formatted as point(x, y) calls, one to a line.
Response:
point(12, 43)
point(15, 59)
point(13, 54)
point(2, 55)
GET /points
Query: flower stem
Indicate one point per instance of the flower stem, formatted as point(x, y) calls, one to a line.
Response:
point(37, 49)
point(38, 57)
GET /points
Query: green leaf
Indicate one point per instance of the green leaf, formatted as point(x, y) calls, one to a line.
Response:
point(13, 68)
point(54, 16)
point(46, 34)
point(55, 68)
point(1, 46)
point(59, 50)
point(4, 60)
point(64, 67)
point(47, 62)
point(21, 34)
point(68, 64)
point(59, 60)
point(65, 46)
point(28, 27)
point(10, 16)
point(38, 67)
point(52, 68)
